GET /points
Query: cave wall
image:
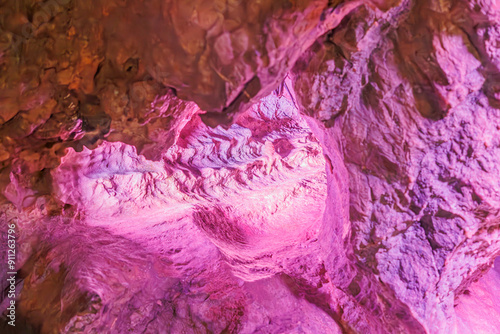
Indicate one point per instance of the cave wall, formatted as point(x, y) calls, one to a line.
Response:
point(249, 167)
point(411, 92)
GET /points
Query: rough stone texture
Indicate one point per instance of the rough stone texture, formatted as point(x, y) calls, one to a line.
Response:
point(250, 167)
point(410, 92)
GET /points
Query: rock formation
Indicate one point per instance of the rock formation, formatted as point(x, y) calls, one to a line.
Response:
point(309, 166)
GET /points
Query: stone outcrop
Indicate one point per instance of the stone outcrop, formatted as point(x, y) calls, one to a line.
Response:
point(250, 166)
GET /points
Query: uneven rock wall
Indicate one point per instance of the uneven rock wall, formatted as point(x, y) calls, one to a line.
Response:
point(411, 93)
point(249, 167)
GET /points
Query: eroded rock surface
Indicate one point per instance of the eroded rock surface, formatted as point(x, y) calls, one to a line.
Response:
point(250, 167)
point(410, 92)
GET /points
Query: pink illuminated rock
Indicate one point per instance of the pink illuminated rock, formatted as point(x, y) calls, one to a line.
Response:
point(477, 309)
point(411, 101)
point(251, 167)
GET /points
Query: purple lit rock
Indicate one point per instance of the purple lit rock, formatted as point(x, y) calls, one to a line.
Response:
point(251, 167)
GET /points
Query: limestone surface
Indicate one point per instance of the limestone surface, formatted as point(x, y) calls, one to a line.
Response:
point(275, 166)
